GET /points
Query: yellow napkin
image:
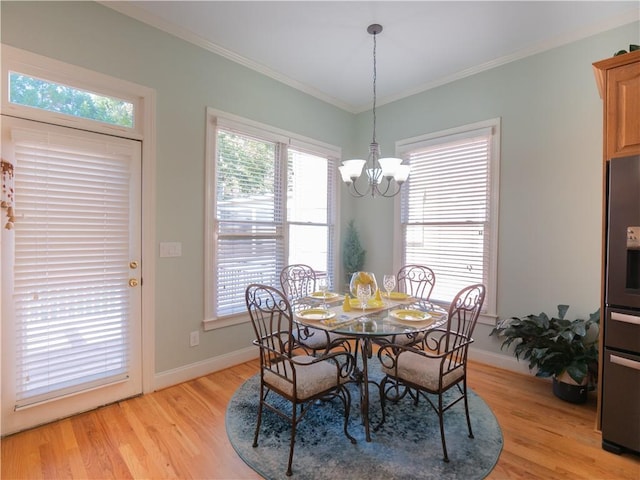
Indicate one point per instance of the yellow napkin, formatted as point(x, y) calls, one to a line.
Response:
point(378, 297)
point(346, 306)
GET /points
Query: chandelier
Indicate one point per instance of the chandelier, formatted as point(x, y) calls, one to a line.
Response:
point(384, 176)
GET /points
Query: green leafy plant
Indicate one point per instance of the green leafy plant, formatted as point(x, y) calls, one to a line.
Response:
point(554, 345)
point(352, 252)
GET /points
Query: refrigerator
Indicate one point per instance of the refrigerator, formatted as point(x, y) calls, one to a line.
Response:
point(620, 410)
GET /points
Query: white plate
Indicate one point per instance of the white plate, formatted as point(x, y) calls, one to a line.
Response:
point(315, 314)
point(409, 315)
point(328, 296)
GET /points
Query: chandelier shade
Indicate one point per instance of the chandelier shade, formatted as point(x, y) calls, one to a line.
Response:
point(384, 176)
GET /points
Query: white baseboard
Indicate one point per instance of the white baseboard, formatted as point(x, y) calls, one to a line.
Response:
point(499, 361)
point(205, 367)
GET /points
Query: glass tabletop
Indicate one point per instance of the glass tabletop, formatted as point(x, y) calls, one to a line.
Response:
point(390, 319)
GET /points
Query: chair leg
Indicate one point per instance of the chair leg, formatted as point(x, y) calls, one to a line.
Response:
point(294, 423)
point(346, 402)
point(441, 417)
point(259, 422)
point(466, 408)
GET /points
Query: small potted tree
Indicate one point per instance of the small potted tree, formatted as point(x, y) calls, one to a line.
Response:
point(566, 350)
point(352, 252)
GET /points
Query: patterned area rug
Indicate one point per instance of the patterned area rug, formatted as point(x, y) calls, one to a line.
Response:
point(407, 446)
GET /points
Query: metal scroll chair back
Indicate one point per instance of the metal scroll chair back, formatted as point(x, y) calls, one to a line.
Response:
point(463, 316)
point(272, 323)
point(416, 280)
point(436, 364)
point(298, 379)
point(297, 281)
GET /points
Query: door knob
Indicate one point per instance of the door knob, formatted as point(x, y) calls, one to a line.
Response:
point(133, 282)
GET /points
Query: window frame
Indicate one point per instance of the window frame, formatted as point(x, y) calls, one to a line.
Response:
point(216, 118)
point(403, 147)
point(79, 78)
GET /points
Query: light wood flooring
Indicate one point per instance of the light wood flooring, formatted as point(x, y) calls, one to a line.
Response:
point(179, 432)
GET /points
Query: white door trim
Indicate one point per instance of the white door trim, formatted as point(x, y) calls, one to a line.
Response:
point(13, 58)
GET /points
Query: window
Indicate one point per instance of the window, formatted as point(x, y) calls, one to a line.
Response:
point(449, 208)
point(271, 203)
point(55, 97)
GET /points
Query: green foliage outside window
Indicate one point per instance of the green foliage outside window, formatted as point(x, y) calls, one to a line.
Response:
point(55, 97)
point(245, 166)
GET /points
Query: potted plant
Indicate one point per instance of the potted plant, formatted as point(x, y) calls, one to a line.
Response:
point(352, 252)
point(566, 350)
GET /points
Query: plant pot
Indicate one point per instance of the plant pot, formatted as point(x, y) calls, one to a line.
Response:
point(566, 389)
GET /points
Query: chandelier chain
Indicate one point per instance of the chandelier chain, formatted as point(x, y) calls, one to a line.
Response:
point(375, 75)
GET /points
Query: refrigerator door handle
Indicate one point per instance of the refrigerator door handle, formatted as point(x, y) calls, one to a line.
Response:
point(623, 317)
point(625, 362)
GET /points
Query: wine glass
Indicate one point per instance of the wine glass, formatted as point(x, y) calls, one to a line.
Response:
point(364, 295)
point(389, 282)
point(323, 286)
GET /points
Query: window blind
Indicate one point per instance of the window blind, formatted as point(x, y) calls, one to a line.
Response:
point(310, 200)
point(71, 296)
point(274, 203)
point(446, 211)
point(249, 218)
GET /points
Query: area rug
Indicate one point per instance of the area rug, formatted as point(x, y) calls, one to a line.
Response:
point(406, 447)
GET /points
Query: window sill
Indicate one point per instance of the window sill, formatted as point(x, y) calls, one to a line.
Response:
point(215, 323)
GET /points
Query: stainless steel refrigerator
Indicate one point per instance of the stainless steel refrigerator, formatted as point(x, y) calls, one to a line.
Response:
point(621, 367)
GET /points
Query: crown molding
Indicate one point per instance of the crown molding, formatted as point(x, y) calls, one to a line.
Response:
point(172, 29)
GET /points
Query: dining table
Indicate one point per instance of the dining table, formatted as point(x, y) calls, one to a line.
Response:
point(396, 318)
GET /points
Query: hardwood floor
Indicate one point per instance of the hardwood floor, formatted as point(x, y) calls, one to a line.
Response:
point(179, 432)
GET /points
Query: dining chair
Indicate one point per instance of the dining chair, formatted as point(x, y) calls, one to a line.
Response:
point(298, 281)
point(436, 364)
point(299, 379)
point(416, 280)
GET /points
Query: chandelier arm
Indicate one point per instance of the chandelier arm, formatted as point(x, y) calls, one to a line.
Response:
point(354, 192)
point(380, 192)
point(386, 193)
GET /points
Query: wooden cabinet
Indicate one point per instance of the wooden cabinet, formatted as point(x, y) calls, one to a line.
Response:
point(618, 80)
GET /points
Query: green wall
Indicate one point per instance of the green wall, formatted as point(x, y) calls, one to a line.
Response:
point(550, 196)
point(550, 175)
point(187, 79)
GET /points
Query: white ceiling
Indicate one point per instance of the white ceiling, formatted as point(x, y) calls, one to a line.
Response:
point(323, 48)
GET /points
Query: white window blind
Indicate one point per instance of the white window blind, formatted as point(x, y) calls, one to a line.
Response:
point(447, 211)
point(249, 217)
point(310, 200)
point(70, 264)
point(273, 203)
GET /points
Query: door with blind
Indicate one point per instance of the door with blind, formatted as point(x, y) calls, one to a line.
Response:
point(71, 286)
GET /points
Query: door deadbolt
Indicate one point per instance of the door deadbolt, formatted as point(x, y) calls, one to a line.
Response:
point(133, 265)
point(133, 282)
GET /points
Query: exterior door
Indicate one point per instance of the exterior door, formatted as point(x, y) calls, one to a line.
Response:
point(71, 287)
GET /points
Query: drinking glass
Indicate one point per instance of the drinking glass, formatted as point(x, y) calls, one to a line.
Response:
point(364, 295)
point(389, 282)
point(323, 286)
